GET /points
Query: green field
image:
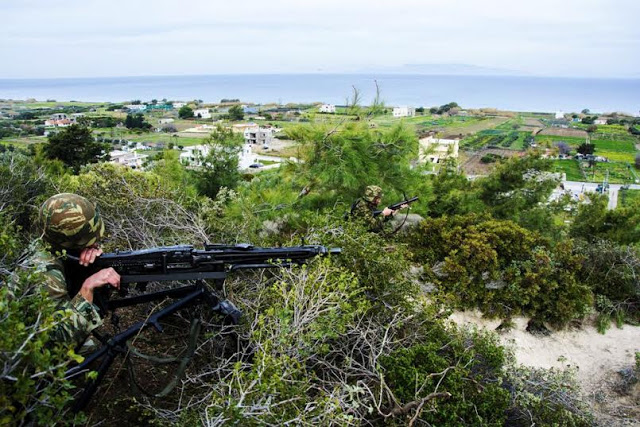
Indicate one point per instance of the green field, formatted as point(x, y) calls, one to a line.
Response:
point(619, 173)
point(513, 140)
point(616, 150)
point(569, 167)
point(628, 197)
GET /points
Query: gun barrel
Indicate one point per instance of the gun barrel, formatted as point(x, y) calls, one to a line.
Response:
point(183, 262)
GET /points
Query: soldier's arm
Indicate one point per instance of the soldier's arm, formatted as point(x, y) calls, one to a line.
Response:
point(76, 316)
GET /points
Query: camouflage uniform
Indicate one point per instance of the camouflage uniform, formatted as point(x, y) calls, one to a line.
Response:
point(364, 208)
point(72, 223)
point(77, 317)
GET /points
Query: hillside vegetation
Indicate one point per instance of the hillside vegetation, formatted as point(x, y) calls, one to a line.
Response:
point(359, 338)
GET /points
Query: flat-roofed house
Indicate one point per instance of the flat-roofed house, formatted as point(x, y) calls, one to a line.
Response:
point(434, 150)
point(327, 108)
point(202, 113)
point(260, 136)
point(404, 111)
point(127, 158)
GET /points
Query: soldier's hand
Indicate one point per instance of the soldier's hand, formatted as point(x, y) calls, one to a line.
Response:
point(89, 255)
point(387, 212)
point(106, 276)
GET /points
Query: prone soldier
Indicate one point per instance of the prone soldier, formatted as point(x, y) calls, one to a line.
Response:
point(73, 224)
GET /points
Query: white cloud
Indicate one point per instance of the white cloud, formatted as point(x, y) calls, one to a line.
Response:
point(97, 38)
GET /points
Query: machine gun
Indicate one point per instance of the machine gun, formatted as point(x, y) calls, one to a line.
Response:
point(396, 206)
point(176, 263)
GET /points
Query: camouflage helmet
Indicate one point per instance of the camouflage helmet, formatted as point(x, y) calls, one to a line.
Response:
point(371, 192)
point(70, 221)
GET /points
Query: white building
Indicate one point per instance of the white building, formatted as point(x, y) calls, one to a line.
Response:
point(202, 113)
point(559, 115)
point(246, 157)
point(258, 135)
point(136, 107)
point(327, 108)
point(128, 158)
point(165, 121)
point(600, 122)
point(242, 127)
point(179, 105)
point(59, 120)
point(404, 111)
point(193, 155)
point(433, 150)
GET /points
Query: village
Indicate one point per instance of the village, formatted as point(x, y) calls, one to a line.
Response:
point(591, 152)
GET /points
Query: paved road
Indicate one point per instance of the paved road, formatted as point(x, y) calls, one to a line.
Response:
point(577, 188)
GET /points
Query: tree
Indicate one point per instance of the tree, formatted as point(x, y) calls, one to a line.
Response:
point(136, 121)
point(236, 113)
point(185, 112)
point(220, 167)
point(638, 161)
point(594, 221)
point(563, 147)
point(586, 111)
point(592, 128)
point(586, 148)
point(343, 161)
point(75, 147)
point(169, 128)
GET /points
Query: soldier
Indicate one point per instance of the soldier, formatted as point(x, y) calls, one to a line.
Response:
point(365, 208)
point(72, 223)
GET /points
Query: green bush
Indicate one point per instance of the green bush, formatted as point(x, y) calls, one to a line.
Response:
point(32, 387)
point(465, 367)
point(500, 268)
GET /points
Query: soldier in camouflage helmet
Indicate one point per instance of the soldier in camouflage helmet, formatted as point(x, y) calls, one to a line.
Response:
point(363, 209)
point(72, 223)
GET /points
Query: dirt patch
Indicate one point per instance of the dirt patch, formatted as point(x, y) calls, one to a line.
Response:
point(564, 132)
point(473, 166)
point(278, 147)
point(599, 360)
point(464, 129)
point(534, 130)
point(533, 123)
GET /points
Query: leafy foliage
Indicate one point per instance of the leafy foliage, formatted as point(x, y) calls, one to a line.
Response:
point(220, 167)
point(340, 162)
point(501, 268)
point(76, 147)
point(594, 221)
point(32, 384)
point(185, 112)
point(136, 121)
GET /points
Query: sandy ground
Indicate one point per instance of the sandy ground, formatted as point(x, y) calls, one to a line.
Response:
point(596, 357)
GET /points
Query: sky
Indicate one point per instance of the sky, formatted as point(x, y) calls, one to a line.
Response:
point(103, 38)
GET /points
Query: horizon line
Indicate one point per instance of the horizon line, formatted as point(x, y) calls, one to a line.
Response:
point(360, 73)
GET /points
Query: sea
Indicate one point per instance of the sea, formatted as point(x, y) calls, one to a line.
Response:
point(515, 93)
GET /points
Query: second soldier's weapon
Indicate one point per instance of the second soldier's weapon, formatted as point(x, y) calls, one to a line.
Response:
point(396, 206)
point(176, 263)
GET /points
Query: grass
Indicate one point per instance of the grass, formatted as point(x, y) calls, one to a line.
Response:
point(509, 139)
point(570, 167)
point(628, 198)
point(619, 173)
point(616, 150)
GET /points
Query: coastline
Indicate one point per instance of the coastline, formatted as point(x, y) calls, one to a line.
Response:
point(513, 93)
